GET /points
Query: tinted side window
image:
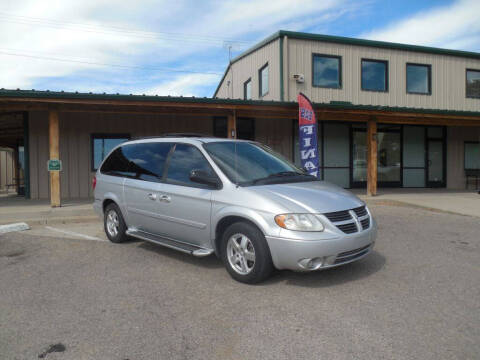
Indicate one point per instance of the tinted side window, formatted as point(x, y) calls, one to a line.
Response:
point(147, 160)
point(116, 164)
point(186, 158)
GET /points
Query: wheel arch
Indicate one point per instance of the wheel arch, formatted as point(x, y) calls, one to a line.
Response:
point(228, 219)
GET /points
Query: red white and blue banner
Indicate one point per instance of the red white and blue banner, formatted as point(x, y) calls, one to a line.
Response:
point(308, 135)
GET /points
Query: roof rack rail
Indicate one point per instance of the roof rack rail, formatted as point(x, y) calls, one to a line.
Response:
point(173, 135)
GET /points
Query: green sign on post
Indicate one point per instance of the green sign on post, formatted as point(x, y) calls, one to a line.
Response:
point(54, 165)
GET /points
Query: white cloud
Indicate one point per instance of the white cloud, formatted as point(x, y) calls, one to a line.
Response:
point(185, 85)
point(456, 26)
point(84, 30)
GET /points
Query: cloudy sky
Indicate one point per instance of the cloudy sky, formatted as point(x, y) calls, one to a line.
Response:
point(182, 47)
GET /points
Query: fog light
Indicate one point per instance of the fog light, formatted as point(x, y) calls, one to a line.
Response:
point(311, 264)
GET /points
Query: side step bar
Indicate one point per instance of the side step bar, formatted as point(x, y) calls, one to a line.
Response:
point(170, 243)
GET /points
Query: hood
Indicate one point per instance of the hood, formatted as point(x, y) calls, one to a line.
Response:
point(309, 197)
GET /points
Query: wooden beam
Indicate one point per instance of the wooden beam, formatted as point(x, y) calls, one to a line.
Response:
point(54, 140)
point(232, 126)
point(372, 157)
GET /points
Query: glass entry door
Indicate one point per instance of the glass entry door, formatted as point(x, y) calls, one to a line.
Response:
point(435, 165)
point(388, 157)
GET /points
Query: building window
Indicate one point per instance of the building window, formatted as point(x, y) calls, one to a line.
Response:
point(473, 83)
point(263, 80)
point(102, 144)
point(327, 71)
point(247, 89)
point(419, 79)
point(472, 155)
point(374, 75)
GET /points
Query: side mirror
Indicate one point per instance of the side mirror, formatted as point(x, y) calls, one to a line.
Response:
point(202, 177)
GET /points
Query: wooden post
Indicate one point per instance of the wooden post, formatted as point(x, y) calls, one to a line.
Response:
point(232, 126)
point(53, 138)
point(372, 157)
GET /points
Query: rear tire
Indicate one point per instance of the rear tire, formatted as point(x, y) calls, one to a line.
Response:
point(245, 253)
point(114, 224)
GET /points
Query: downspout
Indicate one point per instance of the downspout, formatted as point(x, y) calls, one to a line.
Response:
point(281, 69)
point(26, 153)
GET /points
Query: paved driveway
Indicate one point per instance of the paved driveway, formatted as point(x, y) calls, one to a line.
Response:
point(416, 297)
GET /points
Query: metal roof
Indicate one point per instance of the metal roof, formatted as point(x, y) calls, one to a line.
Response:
point(36, 94)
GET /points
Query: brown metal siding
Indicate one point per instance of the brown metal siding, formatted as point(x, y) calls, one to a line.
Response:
point(448, 77)
point(75, 148)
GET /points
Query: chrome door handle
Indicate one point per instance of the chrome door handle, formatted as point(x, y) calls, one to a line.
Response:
point(165, 198)
point(152, 196)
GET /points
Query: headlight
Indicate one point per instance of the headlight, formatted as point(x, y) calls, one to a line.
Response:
point(299, 222)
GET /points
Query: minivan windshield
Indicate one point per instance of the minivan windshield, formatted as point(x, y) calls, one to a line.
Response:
point(248, 163)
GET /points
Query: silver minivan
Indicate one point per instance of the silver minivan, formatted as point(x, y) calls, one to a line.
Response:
point(238, 199)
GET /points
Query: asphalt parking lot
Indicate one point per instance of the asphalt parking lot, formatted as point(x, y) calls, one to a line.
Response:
point(417, 296)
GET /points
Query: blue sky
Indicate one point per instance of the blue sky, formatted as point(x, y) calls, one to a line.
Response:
point(181, 48)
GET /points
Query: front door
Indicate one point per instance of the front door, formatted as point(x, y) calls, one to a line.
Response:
point(184, 206)
point(435, 165)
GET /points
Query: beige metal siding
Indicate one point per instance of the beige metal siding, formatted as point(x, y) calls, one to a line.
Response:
point(448, 76)
point(75, 144)
point(248, 67)
point(7, 169)
point(456, 137)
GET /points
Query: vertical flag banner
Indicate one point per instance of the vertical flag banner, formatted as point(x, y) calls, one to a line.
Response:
point(308, 135)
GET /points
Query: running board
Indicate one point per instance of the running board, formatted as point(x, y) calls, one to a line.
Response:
point(170, 243)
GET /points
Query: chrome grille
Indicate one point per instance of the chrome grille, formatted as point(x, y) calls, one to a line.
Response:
point(365, 223)
point(344, 221)
point(349, 228)
point(338, 216)
point(360, 211)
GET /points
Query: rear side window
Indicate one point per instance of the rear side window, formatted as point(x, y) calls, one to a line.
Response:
point(147, 160)
point(116, 164)
point(184, 159)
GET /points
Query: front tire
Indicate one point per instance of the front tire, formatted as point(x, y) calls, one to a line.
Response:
point(114, 224)
point(245, 253)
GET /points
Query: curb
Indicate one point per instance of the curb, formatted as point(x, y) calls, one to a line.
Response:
point(58, 220)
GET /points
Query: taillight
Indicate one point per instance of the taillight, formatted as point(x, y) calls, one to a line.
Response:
point(94, 182)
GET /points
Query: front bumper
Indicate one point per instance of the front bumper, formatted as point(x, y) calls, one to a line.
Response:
point(294, 254)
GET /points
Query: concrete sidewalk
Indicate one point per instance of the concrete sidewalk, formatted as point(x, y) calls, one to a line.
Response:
point(34, 212)
point(453, 201)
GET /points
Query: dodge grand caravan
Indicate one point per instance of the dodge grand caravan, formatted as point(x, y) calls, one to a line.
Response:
point(238, 199)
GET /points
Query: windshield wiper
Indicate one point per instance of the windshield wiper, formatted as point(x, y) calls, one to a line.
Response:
point(281, 174)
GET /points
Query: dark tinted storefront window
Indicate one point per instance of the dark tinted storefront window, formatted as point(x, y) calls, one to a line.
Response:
point(418, 79)
point(327, 71)
point(374, 75)
point(102, 144)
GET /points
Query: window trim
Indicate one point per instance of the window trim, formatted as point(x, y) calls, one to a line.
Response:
point(340, 82)
point(260, 81)
point(94, 136)
point(466, 83)
point(429, 67)
point(386, 74)
point(249, 80)
point(464, 153)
